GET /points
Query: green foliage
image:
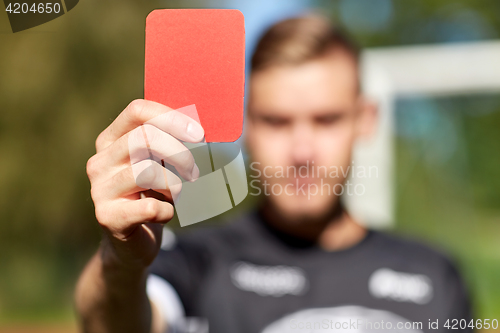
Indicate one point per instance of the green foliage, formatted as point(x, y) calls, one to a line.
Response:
point(447, 185)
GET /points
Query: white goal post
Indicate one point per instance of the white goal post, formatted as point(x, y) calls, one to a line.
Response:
point(436, 70)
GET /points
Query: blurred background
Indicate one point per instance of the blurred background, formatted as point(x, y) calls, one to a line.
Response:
point(63, 82)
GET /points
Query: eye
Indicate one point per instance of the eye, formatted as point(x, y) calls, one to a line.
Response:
point(274, 121)
point(328, 119)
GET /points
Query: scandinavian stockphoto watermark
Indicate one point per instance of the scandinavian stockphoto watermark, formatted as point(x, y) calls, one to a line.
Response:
point(217, 180)
point(309, 180)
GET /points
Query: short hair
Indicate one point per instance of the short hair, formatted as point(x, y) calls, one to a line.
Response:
point(298, 40)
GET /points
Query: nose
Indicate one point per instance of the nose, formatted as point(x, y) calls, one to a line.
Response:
point(302, 144)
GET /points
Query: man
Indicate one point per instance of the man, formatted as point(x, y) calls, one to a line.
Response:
point(298, 264)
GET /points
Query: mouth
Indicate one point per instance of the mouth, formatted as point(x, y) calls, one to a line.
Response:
point(299, 181)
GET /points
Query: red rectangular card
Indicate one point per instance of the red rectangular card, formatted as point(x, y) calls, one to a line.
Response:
point(197, 56)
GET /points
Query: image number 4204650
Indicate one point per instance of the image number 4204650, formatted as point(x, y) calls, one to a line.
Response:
point(26, 14)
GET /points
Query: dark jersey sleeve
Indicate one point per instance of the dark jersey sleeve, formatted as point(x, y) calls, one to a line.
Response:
point(184, 266)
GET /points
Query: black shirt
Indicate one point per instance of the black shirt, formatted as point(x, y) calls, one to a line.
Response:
point(246, 277)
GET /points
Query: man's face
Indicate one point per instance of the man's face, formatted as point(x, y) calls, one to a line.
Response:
point(302, 123)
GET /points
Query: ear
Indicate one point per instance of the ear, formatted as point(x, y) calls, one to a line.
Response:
point(367, 118)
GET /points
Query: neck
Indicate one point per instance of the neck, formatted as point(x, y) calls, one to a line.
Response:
point(335, 231)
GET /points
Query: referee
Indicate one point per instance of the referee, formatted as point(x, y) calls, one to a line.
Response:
point(299, 262)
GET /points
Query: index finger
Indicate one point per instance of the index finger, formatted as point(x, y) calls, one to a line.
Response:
point(141, 111)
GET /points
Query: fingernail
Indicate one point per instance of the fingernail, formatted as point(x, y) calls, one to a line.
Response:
point(195, 131)
point(195, 173)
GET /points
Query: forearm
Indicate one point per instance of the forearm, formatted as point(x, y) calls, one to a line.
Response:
point(111, 298)
point(111, 293)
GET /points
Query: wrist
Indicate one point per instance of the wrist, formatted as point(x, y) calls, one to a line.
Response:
point(114, 264)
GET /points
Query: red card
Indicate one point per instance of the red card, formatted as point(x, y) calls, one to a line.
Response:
point(197, 56)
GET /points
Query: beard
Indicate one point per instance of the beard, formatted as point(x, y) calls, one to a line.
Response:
point(291, 214)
